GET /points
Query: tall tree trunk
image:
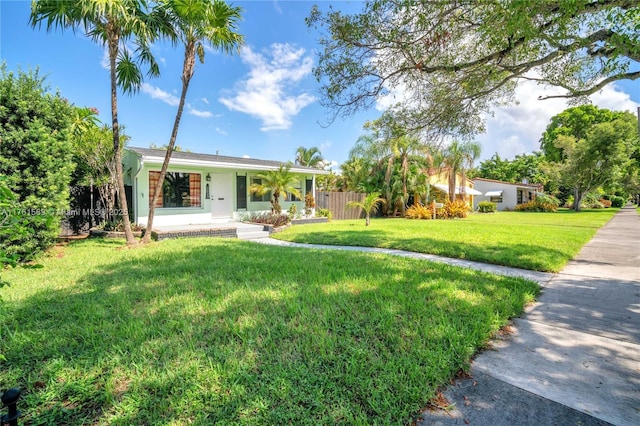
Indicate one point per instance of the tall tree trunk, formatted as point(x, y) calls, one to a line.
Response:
point(117, 149)
point(405, 194)
point(187, 72)
point(452, 185)
point(577, 199)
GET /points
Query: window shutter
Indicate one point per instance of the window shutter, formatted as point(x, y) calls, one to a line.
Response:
point(153, 181)
point(195, 189)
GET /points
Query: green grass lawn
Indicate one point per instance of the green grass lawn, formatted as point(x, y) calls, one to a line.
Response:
point(211, 331)
point(536, 241)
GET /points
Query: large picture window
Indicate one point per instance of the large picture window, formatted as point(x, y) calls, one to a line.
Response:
point(178, 189)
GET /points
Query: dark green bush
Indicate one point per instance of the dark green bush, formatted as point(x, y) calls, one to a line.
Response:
point(617, 201)
point(36, 156)
point(487, 207)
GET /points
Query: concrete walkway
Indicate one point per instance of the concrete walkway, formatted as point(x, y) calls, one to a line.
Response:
point(574, 356)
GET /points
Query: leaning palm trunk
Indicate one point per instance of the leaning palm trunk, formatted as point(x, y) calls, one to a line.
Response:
point(117, 148)
point(187, 73)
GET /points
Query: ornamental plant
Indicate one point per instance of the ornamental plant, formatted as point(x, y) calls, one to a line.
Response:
point(487, 207)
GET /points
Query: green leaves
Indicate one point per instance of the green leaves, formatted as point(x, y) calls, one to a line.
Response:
point(595, 148)
point(457, 60)
point(36, 158)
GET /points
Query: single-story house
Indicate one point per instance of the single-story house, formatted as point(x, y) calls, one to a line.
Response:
point(439, 180)
point(201, 188)
point(506, 195)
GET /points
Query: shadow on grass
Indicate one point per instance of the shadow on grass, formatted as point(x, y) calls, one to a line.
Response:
point(227, 332)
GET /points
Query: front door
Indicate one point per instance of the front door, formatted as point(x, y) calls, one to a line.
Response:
point(221, 195)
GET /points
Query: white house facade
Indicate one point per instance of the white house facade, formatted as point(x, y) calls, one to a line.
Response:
point(204, 188)
point(505, 195)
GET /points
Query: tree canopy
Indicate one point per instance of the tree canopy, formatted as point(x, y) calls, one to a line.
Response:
point(576, 122)
point(522, 167)
point(602, 158)
point(447, 62)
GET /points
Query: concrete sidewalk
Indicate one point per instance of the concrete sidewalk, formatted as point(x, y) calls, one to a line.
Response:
point(574, 357)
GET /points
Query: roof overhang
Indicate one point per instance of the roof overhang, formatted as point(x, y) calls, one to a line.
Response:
point(153, 159)
point(459, 189)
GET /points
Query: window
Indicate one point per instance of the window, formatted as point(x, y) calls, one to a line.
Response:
point(178, 189)
point(496, 199)
point(291, 197)
point(257, 198)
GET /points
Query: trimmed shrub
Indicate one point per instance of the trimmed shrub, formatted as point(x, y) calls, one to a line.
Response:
point(536, 206)
point(487, 207)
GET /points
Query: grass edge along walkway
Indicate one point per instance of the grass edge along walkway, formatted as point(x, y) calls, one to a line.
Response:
point(534, 241)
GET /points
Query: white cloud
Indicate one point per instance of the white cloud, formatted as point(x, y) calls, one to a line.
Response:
point(222, 132)
point(266, 92)
point(197, 113)
point(205, 100)
point(517, 129)
point(104, 61)
point(157, 93)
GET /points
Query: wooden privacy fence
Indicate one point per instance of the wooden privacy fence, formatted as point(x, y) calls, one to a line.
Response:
point(336, 202)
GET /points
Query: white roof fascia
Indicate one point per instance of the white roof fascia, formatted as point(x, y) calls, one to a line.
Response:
point(221, 165)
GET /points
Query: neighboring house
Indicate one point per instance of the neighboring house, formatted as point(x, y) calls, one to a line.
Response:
point(506, 195)
point(201, 188)
point(440, 182)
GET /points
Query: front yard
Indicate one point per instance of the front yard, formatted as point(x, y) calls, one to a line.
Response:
point(209, 331)
point(536, 241)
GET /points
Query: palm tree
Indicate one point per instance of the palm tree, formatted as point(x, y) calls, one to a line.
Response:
point(388, 143)
point(196, 23)
point(458, 158)
point(279, 181)
point(309, 157)
point(368, 205)
point(113, 23)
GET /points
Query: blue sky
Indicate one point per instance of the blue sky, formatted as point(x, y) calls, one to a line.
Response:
point(262, 103)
